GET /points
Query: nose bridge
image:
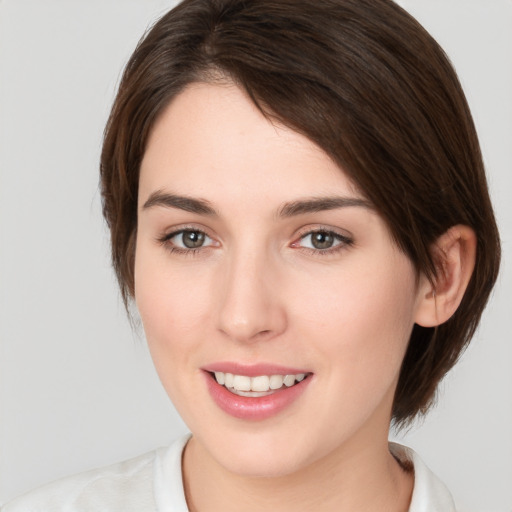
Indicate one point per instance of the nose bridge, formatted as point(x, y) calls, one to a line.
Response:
point(250, 307)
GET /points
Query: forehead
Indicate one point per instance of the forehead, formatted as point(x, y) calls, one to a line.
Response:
point(212, 140)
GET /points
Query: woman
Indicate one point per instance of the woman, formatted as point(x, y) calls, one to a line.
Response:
point(299, 210)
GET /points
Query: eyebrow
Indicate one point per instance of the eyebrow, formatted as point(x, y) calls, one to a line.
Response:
point(291, 209)
point(189, 204)
point(319, 204)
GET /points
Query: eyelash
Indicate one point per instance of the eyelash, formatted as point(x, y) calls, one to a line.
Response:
point(166, 242)
point(344, 242)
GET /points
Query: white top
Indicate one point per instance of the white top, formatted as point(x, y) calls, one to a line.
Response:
point(153, 483)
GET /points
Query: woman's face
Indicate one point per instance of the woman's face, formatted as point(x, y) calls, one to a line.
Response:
point(257, 257)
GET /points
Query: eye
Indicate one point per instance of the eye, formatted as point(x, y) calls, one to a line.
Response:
point(188, 239)
point(322, 241)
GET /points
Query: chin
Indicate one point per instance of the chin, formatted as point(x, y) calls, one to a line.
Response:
point(261, 455)
point(251, 465)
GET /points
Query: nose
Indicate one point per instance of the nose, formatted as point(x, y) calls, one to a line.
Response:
point(250, 308)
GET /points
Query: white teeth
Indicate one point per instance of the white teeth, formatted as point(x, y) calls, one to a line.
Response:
point(276, 381)
point(242, 383)
point(228, 380)
point(259, 384)
point(289, 380)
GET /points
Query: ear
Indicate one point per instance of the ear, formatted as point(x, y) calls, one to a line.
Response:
point(454, 255)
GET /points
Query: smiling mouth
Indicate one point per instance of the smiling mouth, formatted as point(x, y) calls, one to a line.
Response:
point(261, 385)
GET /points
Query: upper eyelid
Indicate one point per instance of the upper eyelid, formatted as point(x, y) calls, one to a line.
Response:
point(344, 240)
point(324, 229)
point(171, 232)
point(165, 240)
point(334, 233)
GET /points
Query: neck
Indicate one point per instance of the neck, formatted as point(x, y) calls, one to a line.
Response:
point(359, 475)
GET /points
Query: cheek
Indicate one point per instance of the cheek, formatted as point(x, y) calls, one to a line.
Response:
point(173, 305)
point(361, 318)
point(174, 311)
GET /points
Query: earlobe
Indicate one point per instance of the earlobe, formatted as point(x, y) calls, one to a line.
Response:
point(454, 254)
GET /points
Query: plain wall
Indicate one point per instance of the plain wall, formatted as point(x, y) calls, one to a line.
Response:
point(77, 387)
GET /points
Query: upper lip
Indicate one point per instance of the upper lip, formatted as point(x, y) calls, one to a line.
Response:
point(252, 370)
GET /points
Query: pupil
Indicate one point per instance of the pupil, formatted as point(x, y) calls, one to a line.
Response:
point(193, 239)
point(322, 240)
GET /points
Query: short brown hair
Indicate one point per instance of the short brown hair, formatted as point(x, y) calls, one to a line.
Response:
point(364, 81)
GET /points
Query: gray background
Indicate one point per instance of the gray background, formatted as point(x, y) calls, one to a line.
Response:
point(77, 387)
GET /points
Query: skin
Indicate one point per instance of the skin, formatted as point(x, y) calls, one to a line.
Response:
point(258, 291)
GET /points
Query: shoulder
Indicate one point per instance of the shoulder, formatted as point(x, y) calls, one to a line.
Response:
point(126, 486)
point(429, 493)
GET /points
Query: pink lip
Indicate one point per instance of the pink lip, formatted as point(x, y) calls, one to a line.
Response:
point(252, 370)
point(255, 408)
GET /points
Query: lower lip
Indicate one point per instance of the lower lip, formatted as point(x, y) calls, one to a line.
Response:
point(254, 408)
